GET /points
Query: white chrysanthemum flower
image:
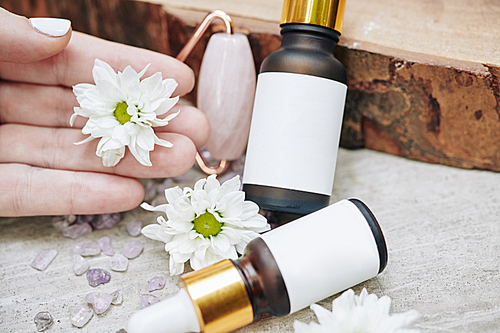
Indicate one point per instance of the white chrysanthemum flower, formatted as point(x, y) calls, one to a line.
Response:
point(206, 224)
point(365, 313)
point(122, 111)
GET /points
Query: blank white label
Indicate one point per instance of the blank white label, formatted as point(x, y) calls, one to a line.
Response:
point(295, 132)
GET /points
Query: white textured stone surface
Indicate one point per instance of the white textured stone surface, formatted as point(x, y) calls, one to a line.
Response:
point(442, 226)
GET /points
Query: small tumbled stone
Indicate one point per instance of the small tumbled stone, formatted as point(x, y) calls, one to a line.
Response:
point(119, 263)
point(117, 297)
point(85, 218)
point(100, 301)
point(147, 300)
point(121, 330)
point(150, 190)
point(63, 221)
point(43, 259)
point(132, 250)
point(106, 221)
point(134, 228)
point(77, 230)
point(43, 320)
point(80, 264)
point(105, 245)
point(97, 276)
point(87, 248)
point(156, 283)
point(80, 315)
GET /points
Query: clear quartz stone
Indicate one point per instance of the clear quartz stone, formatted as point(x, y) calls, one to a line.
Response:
point(134, 228)
point(226, 91)
point(80, 315)
point(63, 221)
point(43, 320)
point(156, 283)
point(87, 248)
point(43, 259)
point(117, 297)
point(77, 230)
point(100, 301)
point(80, 264)
point(105, 245)
point(119, 263)
point(132, 250)
point(147, 300)
point(97, 276)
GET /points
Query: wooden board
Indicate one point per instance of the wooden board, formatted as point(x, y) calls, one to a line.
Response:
point(405, 97)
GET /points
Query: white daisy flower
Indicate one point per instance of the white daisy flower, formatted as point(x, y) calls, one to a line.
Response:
point(365, 313)
point(122, 111)
point(206, 224)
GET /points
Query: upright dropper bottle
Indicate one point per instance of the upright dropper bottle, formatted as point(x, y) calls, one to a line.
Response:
point(298, 110)
point(281, 272)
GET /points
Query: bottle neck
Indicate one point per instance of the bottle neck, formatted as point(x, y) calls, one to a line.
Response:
point(263, 281)
point(308, 36)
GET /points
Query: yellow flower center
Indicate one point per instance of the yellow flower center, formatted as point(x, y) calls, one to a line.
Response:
point(207, 225)
point(121, 114)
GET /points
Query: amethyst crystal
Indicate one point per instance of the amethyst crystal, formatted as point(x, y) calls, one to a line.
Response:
point(63, 221)
point(77, 230)
point(134, 228)
point(147, 300)
point(85, 218)
point(43, 320)
point(80, 264)
point(156, 283)
point(121, 330)
point(117, 297)
point(100, 301)
point(80, 315)
point(119, 262)
point(106, 221)
point(105, 245)
point(87, 248)
point(132, 250)
point(97, 276)
point(43, 259)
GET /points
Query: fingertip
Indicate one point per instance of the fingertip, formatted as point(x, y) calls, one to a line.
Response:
point(176, 160)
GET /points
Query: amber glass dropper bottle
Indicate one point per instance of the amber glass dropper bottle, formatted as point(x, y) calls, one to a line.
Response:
point(282, 271)
point(297, 115)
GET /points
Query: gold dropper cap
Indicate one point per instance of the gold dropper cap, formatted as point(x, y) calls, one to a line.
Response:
point(326, 13)
point(219, 296)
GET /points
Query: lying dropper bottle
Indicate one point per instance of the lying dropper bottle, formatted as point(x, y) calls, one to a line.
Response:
point(281, 272)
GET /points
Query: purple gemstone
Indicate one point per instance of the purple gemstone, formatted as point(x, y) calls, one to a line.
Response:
point(43, 320)
point(156, 283)
point(105, 245)
point(167, 183)
point(63, 221)
point(134, 228)
point(100, 301)
point(106, 221)
point(147, 300)
point(87, 248)
point(43, 259)
point(97, 276)
point(121, 330)
point(85, 218)
point(150, 190)
point(117, 297)
point(119, 262)
point(80, 315)
point(80, 264)
point(132, 250)
point(77, 230)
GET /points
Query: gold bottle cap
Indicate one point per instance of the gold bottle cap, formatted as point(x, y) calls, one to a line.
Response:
point(219, 296)
point(326, 13)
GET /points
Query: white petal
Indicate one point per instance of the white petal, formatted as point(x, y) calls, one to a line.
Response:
point(111, 157)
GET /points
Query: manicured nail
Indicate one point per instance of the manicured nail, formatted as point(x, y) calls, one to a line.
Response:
point(54, 27)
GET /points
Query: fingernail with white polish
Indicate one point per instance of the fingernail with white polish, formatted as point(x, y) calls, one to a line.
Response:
point(54, 27)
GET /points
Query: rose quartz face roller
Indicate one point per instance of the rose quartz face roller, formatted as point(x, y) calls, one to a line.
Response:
point(226, 88)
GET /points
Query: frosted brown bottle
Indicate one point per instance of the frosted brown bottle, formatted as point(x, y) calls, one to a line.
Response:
point(298, 111)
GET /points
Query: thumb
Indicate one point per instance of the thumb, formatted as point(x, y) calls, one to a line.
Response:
point(25, 41)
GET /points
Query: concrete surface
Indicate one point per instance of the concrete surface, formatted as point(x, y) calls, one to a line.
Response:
point(441, 225)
